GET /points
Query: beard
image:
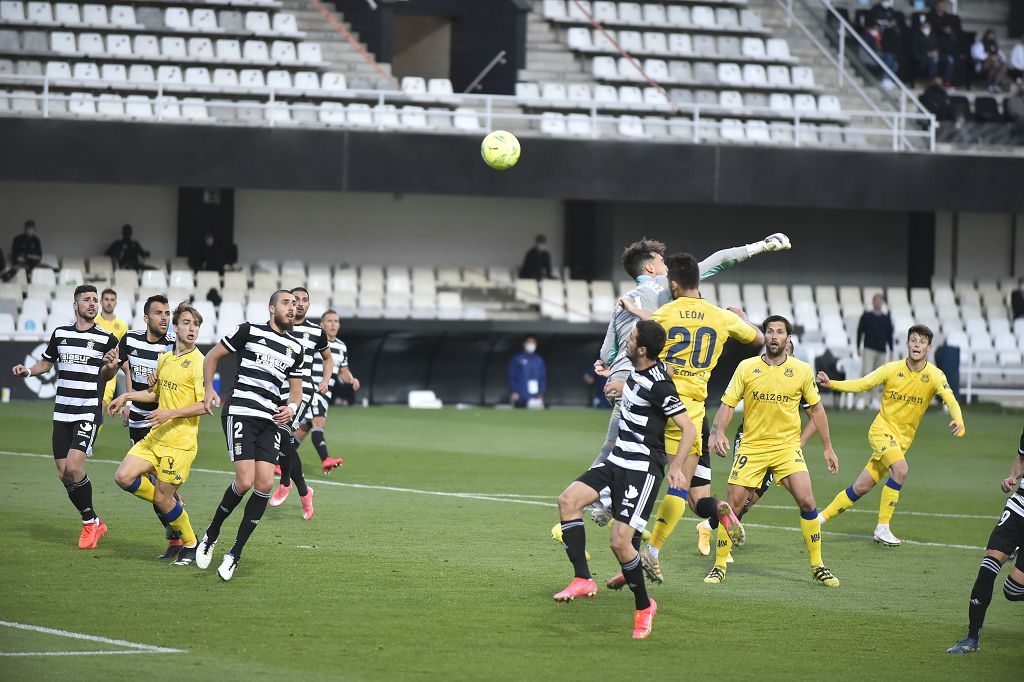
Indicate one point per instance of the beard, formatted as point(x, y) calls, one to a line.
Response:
point(283, 324)
point(781, 350)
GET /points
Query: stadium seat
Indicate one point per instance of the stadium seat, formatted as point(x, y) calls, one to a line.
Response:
point(194, 108)
point(251, 78)
point(440, 87)
point(82, 104)
point(631, 126)
point(732, 129)
point(177, 18)
point(58, 70)
point(205, 20)
point(283, 51)
point(778, 76)
point(123, 15)
point(703, 17)
point(777, 49)
point(310, 53)
point(753, 48)
point(255, 51)
point(656, 43)
point(729, 46)
point(730, 73)
point(110, 105)
point(333, 81)
point(228, 50)
point(757, 131)
point(173, 47)
point(285, 23)
point(60, 41)
point(332, 113)
point(680, 44)
point(14, 11)
point(278, 78)
point(200, 49)
point(257, 22)
point(754, 75)
point(359, 114)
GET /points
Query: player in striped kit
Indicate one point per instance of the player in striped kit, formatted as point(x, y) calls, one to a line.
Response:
point(270, 359)
point(316, 416)
point(314, 343)
point(1006, 537)
point(86, 358)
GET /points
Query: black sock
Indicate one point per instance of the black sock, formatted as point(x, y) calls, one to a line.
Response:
point(1013, 590)
point(254, 509)
point(296, 471)
point(80, 495)
point(634, 575)
point(227, 505)
point(319, 442)
point(285, 460)
point(574, 537)
point(707, 508)
point(981, 595)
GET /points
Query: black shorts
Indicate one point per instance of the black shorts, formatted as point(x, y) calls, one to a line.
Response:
point(633, 492)
point(137, 434)
point(318, 408)
point(69, 436)
point(1008, 535)
point(250, 438)
point(702, 476)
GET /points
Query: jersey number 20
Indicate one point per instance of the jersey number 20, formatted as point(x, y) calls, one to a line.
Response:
point(698, 347)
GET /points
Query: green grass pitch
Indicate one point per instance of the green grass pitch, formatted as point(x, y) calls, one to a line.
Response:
point(393, 580)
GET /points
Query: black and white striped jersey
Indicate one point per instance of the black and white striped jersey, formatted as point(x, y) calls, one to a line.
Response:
point(649, 400)
point(78, 358)
point(1015, 503)
point(142, 355)
point(267, 360)
point(339, 352)
point(314, 342)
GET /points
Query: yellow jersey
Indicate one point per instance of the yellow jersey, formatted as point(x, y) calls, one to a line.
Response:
point(179, 383)
point(771, 397)
point(116, 326)
point(906, 397)
point(697, 332)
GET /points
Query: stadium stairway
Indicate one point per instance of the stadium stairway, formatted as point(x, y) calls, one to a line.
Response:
point(337, 52)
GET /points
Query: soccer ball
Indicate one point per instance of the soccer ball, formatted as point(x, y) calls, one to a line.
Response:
point(500, 150)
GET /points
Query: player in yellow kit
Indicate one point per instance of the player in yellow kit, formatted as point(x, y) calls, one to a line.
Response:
point(170, 447)
point(109, 322)
point(910, 385)
point(772, 387)
point(697, 332)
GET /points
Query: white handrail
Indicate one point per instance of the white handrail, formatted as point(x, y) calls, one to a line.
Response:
point(1009, 391)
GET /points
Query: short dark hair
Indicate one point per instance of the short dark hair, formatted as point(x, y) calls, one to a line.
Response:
point(777, 318)
point(186, 307)
point(84, 289)
point(30, 223)
point(541, 239)
point(683, 270)
point(277, 294)
point(651, 336)
point(636, 255)
point(302, 289)
point(106, 291)
point(921, 330)
point(330, 311)
point(157, 298)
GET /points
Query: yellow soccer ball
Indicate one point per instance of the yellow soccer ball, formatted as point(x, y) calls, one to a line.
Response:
point(500, 150)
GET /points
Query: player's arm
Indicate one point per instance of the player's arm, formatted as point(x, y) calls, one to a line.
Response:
point(41, 367)
point(286, 412)
point(115, 406)
point(630, 306)
point(727, 258)
point(741, 331)
point(346, 376)
point(1016, 469)
point(719, 441)
point(111, 362)
point(956, 416)
point(865, 383)
point(820, 421)
point(216, 354)
point(808, 431)
point(678, 473)
point(328, 359)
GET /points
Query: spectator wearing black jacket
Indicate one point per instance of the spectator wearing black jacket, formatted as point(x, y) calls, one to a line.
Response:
point(874, 340)
point(935, 99)
point(209, 255)
point(1017, 300)
point(537, 262)
point(127, 253)
point(946, 29)
point(928, 59)
point(26, 251)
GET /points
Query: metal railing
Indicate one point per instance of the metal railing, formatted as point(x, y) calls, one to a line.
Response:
point(974, 374)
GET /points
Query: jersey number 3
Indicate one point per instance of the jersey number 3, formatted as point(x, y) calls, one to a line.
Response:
point(694, 349)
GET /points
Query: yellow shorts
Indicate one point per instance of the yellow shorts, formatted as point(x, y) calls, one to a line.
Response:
point(172, 465)
point(695, 410)
point(885, 450)
point(108, 390)
point(749, 470)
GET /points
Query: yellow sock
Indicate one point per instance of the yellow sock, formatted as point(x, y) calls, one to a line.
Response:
point(177, 519)
point(143, 489)
point(672, 508)
point(890, 496)
point(811, 530)
point(843, 501)
point(723, 548)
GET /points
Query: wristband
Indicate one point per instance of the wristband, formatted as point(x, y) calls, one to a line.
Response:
point(294, 407)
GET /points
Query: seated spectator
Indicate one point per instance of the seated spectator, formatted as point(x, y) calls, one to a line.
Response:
point(127, 253)
point(1017, 297)
point(1017, 60)
point(936, 100)
point(209, 255)
point(924, 46)
point(537, 262)
point(946, 29)
point(26, 251)
point(885, 16)
point(873, 36)
point(990, 62)
point(1015, 107)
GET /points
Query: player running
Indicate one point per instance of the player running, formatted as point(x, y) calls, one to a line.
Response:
point(316, 417)
point(772, 387)
point(85, 357)
point(632, 471)
point(170, 446)
point(270, 359)
point(909, 386)
point(1006, 537)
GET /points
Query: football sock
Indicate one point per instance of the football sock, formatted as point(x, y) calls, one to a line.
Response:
point(296, 470)
point(810, 527)
point(723, 547)
point(161, 517)
point(574, 538)
point(672, 508)
point(254, 509)
point(981, 595)
point(177, 518)
point(143, 489)
point(285, 460)
point(634, 575)
point(890, 496)
point(1013, 590)
point(637, 540)
point(319, 442)
point(843, 501)
point(227, 505)
point(707, 509)
point(80, 495)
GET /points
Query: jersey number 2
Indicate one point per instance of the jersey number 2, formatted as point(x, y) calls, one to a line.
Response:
point(699, 343)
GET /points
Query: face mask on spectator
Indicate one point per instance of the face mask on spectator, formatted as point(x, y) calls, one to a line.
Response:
point(530, 347)
point(887, 4)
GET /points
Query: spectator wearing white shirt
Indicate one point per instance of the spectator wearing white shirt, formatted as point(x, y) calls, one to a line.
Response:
point(990, 62)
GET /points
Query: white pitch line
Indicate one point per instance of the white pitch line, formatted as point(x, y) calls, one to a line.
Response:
point(138, 647)
point(119, 652)
point(512, 500)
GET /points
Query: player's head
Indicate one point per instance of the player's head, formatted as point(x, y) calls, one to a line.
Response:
point(877, 301)
point(919, 341)
point(108, 299)
point(777, 331)
point(157, 314)
point(282, 309)
point(301, 303)
point(646, 341)
point(530, 344)
point(645, 257)
point(330, 322)
point(683, 273)
point(187, 321)
point(87, 303)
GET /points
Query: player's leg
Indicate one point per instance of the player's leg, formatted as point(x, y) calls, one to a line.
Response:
point(674, 504)
point(267, 447)
point(580, 493)
point(136, 436)
point(846, 498)
point(285, 463)
point(736, 493)
point(622, 543)
point(131, 475)
point(757, 494)
point(241, 439)
point(173, 469)
point(72, 441)
point(319, 421)
point(305, 492)
point(1013, 588)
point(890, 497)
point(798, 483)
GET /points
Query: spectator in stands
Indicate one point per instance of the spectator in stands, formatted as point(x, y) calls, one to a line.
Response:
point(990, 62)
point(595, 386)
point(946, 29)
point(873, 36)
point(935, 98)
point(527, 376)
point(1017, 60)
point(26, 251)
point(1015, 107)
point(209, 255)
point(874, 340)
point(927, 56)
point(1017, 299)
point(537, 262)
point(885, 16)
point(127, 253)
